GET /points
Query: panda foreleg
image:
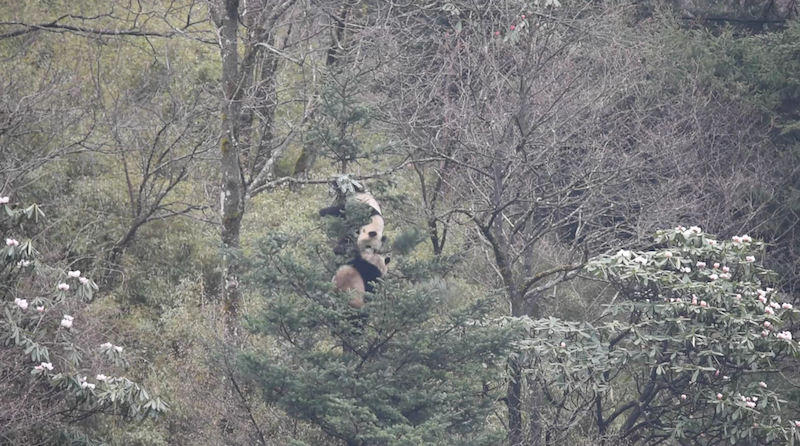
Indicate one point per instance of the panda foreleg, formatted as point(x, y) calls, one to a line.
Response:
point(335, 211)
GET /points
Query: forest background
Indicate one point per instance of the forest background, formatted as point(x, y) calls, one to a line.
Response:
point(551, 173)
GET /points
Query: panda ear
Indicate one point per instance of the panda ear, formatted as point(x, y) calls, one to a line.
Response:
point(383, 239)
point(387, 260)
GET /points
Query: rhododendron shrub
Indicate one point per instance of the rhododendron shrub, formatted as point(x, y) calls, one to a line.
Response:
point(687, 350)
point(45, 356)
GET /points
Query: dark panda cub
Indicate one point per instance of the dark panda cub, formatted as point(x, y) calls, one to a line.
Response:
point(357, 277)
point(359, 274)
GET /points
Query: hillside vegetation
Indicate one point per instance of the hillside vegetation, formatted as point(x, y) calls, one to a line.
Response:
point(591, 208)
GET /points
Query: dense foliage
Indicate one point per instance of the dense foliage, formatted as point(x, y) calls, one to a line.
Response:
point(524, 154)
point(395, 372)
point(51, 347)
point(688, 350)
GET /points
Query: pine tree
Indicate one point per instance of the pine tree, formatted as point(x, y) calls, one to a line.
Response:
point(399, 371)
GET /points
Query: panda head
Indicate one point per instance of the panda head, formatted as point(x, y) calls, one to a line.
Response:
point(370, 236)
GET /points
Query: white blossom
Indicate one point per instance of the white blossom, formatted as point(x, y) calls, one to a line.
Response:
point(641, 260)
point(106, 345)
point(750, 404)
point(74, 273)
point(726, 276)
point(12, 242)
point(774, 305)
point(40, 309)
point(119, 349)
point(764, 333)
point(713, 277)
point(4, 200)
point(683, 397)
point(767, 324)
point(786, 306)
point(22, 303)
point(695, 229)
point(66, 322)
point(101, 377)
point(736, 239)
point(725, 269)
point(83, 280)
point(667, 254)
point(746, 238)
point(703, 303)
point(701, 265)
point(719, 396)
point(624, 253)
point(716, 265)
point(63, 286)
point(47, 365)
point(769, 310)
point(787, 335)
point(763, 384)
point(750, 259)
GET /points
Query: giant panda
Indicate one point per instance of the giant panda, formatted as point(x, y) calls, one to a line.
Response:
point(358, 274)
point(370, 236)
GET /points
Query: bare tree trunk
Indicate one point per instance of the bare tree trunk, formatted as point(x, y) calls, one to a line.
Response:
point(231, 194)
point(514, 394)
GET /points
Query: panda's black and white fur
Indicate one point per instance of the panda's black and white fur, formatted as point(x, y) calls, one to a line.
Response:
point(358, 275)
point(370, 236)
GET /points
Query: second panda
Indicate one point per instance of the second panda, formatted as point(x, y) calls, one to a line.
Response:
point(357, 276)
point(370, 236)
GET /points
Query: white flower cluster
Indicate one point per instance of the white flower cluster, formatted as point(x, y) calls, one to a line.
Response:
point(12, 242)
point(22, 303)
point(66, 321)
point(109, 346)
point(76, 274)
point(44, 365)
point(86, 385)
point(689, 232)
point(751, 401)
